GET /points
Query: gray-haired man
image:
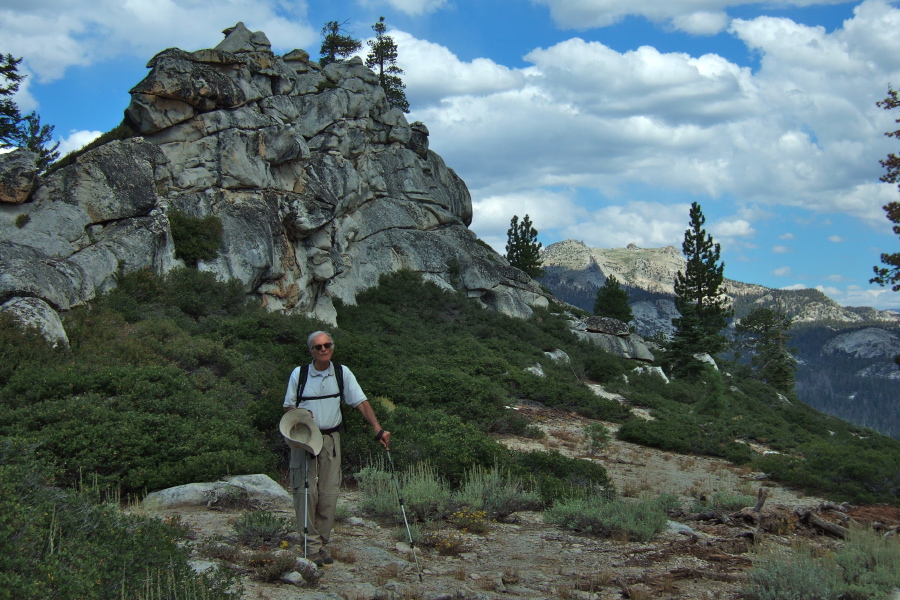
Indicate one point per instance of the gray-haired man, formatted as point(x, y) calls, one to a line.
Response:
point(321, 395)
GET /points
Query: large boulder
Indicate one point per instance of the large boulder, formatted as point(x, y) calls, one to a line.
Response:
point(18, 175)
point(320, 184)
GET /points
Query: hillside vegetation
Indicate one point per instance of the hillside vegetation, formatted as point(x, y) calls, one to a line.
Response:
point(173, 380)
point(176, 379)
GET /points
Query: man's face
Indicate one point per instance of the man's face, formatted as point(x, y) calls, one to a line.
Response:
point(319, 351)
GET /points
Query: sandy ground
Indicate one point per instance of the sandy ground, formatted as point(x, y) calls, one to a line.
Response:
point(527, 559)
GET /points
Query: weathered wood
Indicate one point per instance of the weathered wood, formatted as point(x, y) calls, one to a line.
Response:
point(761, 495)
point(826, 526)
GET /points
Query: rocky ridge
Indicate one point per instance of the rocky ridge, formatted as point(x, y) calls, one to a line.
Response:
point(577, 266)
point(320, 186)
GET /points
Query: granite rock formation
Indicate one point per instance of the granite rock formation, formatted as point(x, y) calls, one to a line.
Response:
point(321, 186)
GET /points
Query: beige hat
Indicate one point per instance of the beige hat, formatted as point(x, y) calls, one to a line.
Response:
point(300, 431)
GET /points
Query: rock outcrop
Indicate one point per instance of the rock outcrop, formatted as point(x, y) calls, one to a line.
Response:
point(870, 342)
point(321, 186)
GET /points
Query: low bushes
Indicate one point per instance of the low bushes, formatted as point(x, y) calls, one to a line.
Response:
point(65, 544)
point(866, 566)
point(597, 515)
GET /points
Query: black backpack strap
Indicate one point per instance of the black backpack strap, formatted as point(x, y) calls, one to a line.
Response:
point(339, 375)
point(301, 383)
point(304, 374)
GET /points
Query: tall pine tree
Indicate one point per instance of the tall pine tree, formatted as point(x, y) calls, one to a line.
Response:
point(383, 59)
point(766, 333)
point(10, 78)
point(890, 273)
point(336, 43)
point(612, 301)
point(523, 251)
point(699, 297)
point(18, 131)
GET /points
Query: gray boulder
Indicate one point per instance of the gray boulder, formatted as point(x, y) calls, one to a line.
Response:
point(18, 175)
point(244, 490)
point(34, 312)
point(631, 346)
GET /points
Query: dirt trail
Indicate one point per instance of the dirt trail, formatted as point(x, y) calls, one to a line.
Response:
point(527, 559)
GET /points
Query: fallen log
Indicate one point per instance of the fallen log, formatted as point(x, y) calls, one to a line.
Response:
point(826, 526)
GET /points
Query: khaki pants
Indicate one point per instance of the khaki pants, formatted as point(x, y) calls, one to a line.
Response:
point(324, 483)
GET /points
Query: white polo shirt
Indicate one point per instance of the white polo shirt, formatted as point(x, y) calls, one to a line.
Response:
point(326, 411)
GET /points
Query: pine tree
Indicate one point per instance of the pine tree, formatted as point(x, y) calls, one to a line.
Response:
point(10, 78)
point(612, 301)
point(335, 44)
point(699, 297)
point(523, 251)
point(16, 130)
point(36, 137)
point(766, 332)
point(383, 58)
point(890, 275)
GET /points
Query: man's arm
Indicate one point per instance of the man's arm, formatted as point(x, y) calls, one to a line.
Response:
point(384, 436)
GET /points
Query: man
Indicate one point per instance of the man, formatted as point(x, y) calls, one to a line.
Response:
point(321, 396)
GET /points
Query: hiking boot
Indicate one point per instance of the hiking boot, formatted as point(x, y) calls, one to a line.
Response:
point(321, 558)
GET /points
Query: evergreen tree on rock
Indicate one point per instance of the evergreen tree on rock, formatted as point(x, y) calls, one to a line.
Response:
point(612, 301)
point(336, 43)
point(17, 131)
point(523, 251)
point(10, 78)
point(382, 58)
point(699, 297)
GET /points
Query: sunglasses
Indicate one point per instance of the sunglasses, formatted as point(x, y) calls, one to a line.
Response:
point(322, 346)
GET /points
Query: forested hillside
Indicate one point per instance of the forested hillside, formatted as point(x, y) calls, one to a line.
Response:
point(859, 390)
point(175, 379)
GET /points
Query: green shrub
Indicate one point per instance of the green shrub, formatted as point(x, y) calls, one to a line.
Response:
point(426, 495)
point(21, 348)
point(196, 238)
point(270, 566)
point(674, 435)
point(257, 528)
point(796, 576)
point(449, 445)
point(63, 544)
point(597, 437)
point(866, 566)
point(139, 428)
point(869, 563)
point(597, 515)
point(604, 367)
point(724, 501)
point(496, 492)
point(378, 495)
point(22, 219)
point(558, 477)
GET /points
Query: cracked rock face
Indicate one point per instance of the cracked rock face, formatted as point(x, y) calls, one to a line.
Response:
point(320, 184)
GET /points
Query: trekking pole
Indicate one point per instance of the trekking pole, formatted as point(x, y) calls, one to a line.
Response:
point(412, 544)
point(305, 500)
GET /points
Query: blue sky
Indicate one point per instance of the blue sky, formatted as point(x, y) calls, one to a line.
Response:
point(601, 119)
